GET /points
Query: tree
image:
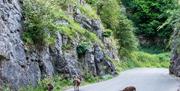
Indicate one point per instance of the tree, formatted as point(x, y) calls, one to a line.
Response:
point(148, 15)
point(114, 19)
point(125, 35)
point(109, 12)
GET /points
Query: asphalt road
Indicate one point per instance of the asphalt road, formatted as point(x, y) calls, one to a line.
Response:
point(144, 79)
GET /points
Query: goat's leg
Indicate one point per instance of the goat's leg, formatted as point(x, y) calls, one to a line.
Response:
point(74, 87)
point(78, 88)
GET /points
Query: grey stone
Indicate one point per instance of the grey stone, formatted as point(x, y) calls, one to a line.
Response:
point(90, 24)
point(174, 67)
point(89, 59)
point(22, 65)
point(61, 22)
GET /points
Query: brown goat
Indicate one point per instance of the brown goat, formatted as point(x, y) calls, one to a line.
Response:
point(77, 83)
point(129, 88)
point(50, 87)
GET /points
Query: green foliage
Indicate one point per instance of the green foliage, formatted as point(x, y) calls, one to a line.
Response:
point(123, 29)
point(109, 11)
point(40, 26)
point(90, 78)
point(5, 88)
point(64, 3)
point(66, 47)
point(152, 60)
point(35, 24)
point(174, 21)
point(57, 81)
point(107, 33)
point(125, 36)
point(82, 48)
point(148, 15)
point(60, 84)
point(88, 11)
point(92, 2)
point(153, 49)
point(143, 59)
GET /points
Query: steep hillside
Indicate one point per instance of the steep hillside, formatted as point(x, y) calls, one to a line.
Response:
point(174, 20)
point(51, 41)
point(40, 38)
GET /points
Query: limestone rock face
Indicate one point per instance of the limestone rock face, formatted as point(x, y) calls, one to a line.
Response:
point(175, 59)
point(21, 65)
point(90, 24)
point(15, 70)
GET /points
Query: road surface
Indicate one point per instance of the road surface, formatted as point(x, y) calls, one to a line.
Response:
point(144, 79)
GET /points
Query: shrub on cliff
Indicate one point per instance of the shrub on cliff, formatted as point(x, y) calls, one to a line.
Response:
point(123, 29)
point(107, 33)
point(82, 48)
point(40, 22)
point(125, 36)
point(109, 11)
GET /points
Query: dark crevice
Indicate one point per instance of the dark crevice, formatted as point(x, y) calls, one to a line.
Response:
point(42, 69)
point(23, 66)
point(9, 1)
point(27, 58)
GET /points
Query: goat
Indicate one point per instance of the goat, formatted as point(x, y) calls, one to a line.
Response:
point(50, 87)
point(77, 82)
point(129, 88)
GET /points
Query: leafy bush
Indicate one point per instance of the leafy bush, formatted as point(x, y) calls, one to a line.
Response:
point(148, 15)
point(88, 11)
point(107, 33)
point(109, 11)
point(143, 59)
point(92, 2)
point(153, 49)
point(34, 25)
point(40, 26)
point(82, 48)
point(64, 3)
point(90, 78)
point(66, 47)
point(57, 81)
point(123, 29)
point(125, 37)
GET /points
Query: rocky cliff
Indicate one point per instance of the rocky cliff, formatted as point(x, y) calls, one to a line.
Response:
point(21, 65)
point(175, 59)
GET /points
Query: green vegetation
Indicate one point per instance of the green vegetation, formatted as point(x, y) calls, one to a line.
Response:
point(40, 18)
point(126, 39)
point(82, 48)
point(107, 33)
point(143, 59)
point(58, 82)
point(148, 15)
point(143, 17)
point(174, 21)
point(153, 49)
point(66, 47)
point(88, 11)
point(109, 15)
point(35, 24)
point(114, 19)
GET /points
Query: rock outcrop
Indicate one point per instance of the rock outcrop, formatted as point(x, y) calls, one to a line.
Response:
point(175, 59)
point(14, 69)
point(22, 66)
